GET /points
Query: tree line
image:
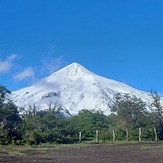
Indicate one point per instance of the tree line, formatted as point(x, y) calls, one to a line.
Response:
point(34, 127)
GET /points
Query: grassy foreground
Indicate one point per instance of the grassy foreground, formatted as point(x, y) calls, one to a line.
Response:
point(14, 150)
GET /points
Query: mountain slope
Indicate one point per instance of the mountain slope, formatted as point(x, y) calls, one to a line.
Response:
point(75, 88)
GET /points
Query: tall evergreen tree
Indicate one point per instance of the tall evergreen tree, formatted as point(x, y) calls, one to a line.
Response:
point(9, 119)
point(3, 92)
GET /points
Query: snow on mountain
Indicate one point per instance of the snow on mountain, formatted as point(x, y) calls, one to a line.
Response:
point(75, 88)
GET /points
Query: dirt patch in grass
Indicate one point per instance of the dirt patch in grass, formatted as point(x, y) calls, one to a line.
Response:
point(145, 152)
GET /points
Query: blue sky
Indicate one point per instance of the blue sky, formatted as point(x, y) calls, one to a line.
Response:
point(117, 39)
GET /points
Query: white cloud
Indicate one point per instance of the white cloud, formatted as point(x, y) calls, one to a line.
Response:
point(6, 65)
point(51, 65)
point(12, 57)
point(26, 73)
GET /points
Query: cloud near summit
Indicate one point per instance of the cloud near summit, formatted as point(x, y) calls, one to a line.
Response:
point(26, 73)
point(15, 70)
point(51, 65)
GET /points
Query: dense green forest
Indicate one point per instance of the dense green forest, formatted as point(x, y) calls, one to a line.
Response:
point(46, 126)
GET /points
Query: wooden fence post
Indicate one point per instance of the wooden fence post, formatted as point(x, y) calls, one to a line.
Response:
point(126, 134)
point(80, 137)
point(97, 136)
point(139, 134)
point(156, 139)
point(113, 136)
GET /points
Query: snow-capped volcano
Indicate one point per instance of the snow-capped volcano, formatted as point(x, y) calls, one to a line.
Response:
point(75, 88)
